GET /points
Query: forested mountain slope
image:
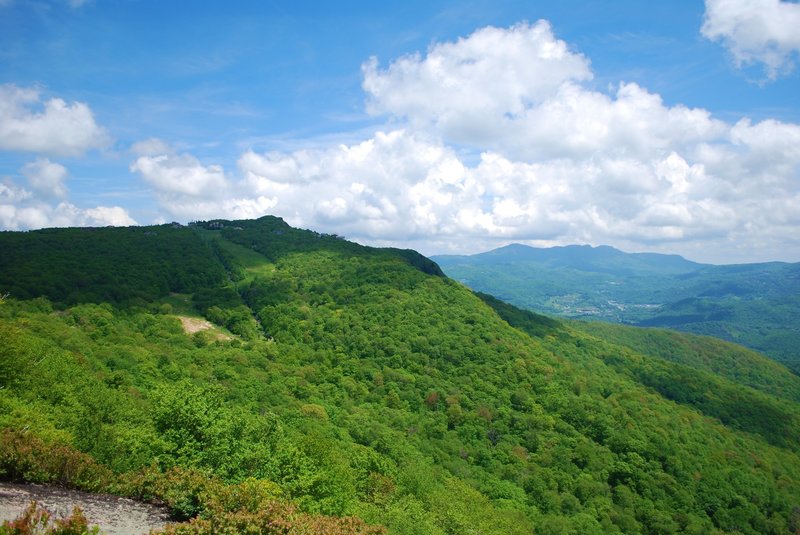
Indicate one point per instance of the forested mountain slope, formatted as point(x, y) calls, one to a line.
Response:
point(704, 353)
point(756, 305)
point(360, 382)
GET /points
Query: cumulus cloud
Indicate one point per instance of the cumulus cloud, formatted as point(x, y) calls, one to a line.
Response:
point(465, 87)
point(561, 161)
point(519, 91)
point(51, 127)
point(29, 123)
point(400, 186)
point(151, 147)
point(404, 187)
point(391, 186)
point(181, 174)
point(21, 209)
point(108, 215)
point(44, 204)
point(189, 209)
point(10, 193)
point(187, 189)
point(499, 137)
point(41, 215)
point(764, 31)
point(46, 177)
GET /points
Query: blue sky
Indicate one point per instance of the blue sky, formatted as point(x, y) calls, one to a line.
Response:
point(666, 127)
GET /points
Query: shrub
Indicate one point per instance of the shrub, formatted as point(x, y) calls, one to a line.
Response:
point(184, 491)
point(26, 457)
point(273, 518)
point(36, 520)
point(252, 506)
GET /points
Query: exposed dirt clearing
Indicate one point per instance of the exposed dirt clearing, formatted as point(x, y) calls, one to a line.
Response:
point(114, 515)
point(194, 325)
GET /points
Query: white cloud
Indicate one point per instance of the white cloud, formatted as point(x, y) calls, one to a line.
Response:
point(764, 31)
point(109, 215)
point(66, 214)
point(769, 140)
point(464, 88)
point(52, 127)
point(151, 147)
point(45, 204)
point(540, 157)
point(21, 211)
point(46, 177)
point(37, 214)
point(181, 174)
point(403, 187)
point(69, 215)
point(577, 123)
point(10, 193)
point(188, 190)
point(399, 185)
point(392, 186)
point(189, 209)
point(518, 91)
point(564, 162)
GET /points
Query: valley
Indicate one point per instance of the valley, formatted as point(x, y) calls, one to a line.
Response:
point(756, 305)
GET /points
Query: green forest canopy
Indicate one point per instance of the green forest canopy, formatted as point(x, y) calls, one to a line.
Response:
point(360, 382)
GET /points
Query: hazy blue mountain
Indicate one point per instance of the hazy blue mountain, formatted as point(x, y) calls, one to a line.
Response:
point(602, 259)
point(757, 305)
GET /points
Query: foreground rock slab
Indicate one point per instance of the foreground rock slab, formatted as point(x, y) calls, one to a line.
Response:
point(114, 515)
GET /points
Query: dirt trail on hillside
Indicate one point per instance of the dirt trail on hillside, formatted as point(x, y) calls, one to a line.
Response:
point(114, 515)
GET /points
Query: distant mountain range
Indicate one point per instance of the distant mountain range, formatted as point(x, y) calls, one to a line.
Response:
point(757, 305)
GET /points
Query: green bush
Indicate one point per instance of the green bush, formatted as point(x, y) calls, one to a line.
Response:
point(26, 457)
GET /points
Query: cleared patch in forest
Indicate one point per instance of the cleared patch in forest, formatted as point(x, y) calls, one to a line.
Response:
point(195, 325)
